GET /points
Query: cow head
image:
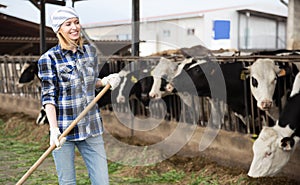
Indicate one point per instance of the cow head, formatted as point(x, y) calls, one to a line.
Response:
point(166, 69)
point(28, 75)
point(124, 80)
point(263, 79)
point(271, 152)
point(135, 80)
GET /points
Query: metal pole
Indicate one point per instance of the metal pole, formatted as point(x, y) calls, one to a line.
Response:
point(42, 27)
point(135, 28)
point(247, 30)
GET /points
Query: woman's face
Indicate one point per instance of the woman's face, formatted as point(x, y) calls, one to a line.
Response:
point(71, 28)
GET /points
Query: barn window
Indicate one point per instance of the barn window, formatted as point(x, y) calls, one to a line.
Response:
point(191, 31)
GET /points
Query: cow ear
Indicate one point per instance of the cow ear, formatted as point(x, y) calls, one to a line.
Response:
point(281, 73)
point(287, 143)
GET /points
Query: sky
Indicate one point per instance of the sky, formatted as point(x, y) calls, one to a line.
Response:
point(93, 12)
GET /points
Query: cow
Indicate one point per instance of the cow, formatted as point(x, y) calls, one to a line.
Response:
point(263, 75)
point(208, 76)
point(130, 90)
point(274, 145)
point(135, 80)
point(136, 83)
point(164, 70)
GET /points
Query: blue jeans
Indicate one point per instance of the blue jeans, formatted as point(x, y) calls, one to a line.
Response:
point(93, 153)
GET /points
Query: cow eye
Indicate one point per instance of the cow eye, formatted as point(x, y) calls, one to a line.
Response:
point(254, 82)
point(268, 154)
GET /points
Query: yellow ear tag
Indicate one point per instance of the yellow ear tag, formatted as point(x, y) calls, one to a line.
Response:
point(243, 75)
point(254, 137)
point(134, 79)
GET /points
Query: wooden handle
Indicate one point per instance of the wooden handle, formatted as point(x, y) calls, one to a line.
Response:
point(64, 134)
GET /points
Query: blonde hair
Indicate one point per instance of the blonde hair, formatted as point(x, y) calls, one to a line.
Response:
point(67, 43)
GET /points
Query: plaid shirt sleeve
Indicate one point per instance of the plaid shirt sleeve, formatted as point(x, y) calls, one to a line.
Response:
point(48, 75)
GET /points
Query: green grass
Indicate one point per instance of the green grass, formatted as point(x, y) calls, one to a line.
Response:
point(17, 156)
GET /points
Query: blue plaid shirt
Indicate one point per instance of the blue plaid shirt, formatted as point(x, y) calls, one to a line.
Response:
point(68, 82)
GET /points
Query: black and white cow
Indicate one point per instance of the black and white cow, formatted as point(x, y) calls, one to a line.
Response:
point(136, 82)
point(165, 69)
point(207, 78)
point(263, 75)
point(222, 82)
point(274, 146)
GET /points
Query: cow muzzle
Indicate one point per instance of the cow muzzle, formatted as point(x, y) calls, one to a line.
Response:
point(155, 95)
point(121, 99)
point(169, 87)
point(265, 104)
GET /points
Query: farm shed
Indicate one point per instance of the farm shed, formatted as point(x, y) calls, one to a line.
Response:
point(21, 37)
point(230, 27)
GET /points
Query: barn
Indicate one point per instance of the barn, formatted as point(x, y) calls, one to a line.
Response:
point(238, 28)
point(235, 27)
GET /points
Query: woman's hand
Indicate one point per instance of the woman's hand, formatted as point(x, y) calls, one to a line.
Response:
point(113, 80)
point(54, 135)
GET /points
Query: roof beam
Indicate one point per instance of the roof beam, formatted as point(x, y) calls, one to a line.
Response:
point(34, 2)
point(61, 3)
point(37, 3)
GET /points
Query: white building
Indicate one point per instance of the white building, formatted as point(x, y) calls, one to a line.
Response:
point(236, 27)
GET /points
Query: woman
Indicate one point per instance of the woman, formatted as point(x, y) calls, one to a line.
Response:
point(69, 73)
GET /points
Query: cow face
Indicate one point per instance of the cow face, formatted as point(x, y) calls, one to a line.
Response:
point(136, 82)
point(263, 79)
point(165, 69)
point(269, 157)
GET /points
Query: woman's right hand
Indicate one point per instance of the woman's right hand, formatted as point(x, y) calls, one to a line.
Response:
point(54, 135)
